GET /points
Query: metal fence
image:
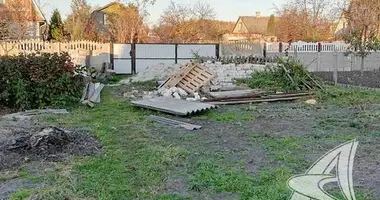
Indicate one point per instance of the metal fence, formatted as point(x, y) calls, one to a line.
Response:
point(134, 58)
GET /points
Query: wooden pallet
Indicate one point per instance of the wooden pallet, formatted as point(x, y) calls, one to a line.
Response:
point(172, 81)
point(191, 78)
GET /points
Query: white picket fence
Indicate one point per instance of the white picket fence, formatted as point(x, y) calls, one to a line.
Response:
point(307, 47)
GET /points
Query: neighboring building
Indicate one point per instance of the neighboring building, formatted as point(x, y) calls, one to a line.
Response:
point(14, 14)
point(126, 27)
point(251, 28)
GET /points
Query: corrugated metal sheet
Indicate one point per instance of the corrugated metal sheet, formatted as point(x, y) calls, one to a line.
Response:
point(173, 106)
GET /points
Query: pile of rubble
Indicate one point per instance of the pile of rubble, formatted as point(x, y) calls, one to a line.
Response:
point(94, 83)
point(192, 81)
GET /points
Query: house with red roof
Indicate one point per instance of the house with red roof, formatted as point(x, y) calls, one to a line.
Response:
point(21, 19)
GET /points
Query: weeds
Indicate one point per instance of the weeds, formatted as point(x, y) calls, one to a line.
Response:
point(286, 75)
point(347, 96)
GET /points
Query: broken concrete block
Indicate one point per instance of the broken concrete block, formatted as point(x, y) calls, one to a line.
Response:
point(311, 102)
point(197, 96)
point(176, 95)
point(182, 92)
point(191, 99)
point(168, 93)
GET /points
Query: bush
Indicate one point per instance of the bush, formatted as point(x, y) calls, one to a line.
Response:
point(287, 75)
point(38, 81)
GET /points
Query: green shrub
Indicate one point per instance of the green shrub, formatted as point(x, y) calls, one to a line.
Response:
point(38, 81)
point(287, 75)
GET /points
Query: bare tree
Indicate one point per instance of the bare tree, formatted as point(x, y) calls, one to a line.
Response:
point(203, 11)
point(313, 18)
point(363, 33)
point(175, 14)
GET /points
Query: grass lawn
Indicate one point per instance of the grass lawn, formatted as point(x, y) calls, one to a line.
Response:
point(242, 152)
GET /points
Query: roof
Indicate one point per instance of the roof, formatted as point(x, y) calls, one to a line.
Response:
point(33, 12)
point(107, 6)
point(257, 25)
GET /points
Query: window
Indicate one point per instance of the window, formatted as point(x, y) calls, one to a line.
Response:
point(2, 1)
point(104, 18)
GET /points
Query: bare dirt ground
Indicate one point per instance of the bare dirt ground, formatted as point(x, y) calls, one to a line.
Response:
point(37, 160)
point(288, 135)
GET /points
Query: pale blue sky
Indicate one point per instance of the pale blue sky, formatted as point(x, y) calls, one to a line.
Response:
point(227, 10)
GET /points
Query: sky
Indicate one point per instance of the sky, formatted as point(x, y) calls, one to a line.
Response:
point(227, 10)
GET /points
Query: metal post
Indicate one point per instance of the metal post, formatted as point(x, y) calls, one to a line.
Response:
point(112, 55)
point(265, 50)
point(133, 57)
point(217, 51)
point(176, 53)
point(336, 66)
point(319, 57)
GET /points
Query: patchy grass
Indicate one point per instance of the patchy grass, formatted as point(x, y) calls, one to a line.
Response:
point(284, 150)
point(227, 116)
point(347, 96)
point(138, 159)
point(268, 184)
point(134, 164)
point(21, 195)
point(8, 175)
point(117, 78)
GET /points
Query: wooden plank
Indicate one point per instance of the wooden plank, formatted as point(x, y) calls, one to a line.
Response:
point(236, 93)
point(254, 101)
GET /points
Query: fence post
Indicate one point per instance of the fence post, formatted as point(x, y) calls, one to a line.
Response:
point(265, 50)
point(133, 57)
point(336, 66)
point(319, 56)
point(112, 55)
point(176, 53)
point(217, 51)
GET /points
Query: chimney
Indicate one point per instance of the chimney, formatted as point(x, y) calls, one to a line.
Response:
point(258, 14)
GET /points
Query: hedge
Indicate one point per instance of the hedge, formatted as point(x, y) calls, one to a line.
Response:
point(38, 81)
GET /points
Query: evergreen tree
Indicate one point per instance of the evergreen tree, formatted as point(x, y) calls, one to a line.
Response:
point(56, 26)
point(271, 26)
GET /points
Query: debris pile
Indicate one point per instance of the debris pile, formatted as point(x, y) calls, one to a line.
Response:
point(44, 140)
point(287, 75)
point(94, 85)
point(190, 78)
point(287, 80)
point(156, 72)
point(20, 145)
